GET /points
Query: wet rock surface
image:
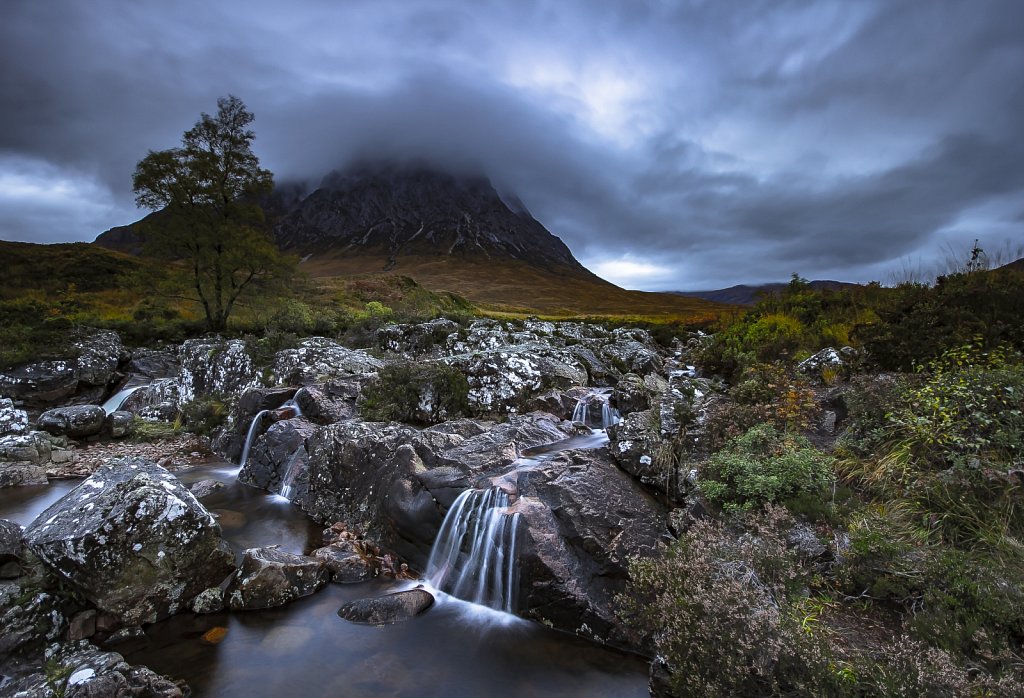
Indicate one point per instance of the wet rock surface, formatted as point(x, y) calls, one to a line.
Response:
point(77, 421)
point(133, 541)
point(584, 518)
point(387, 609)
point(269, 577)
point(89, 364)
point(85, 671)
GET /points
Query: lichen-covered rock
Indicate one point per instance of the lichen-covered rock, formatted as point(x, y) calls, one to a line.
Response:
point(156, 401)
point(20, 474)
point(77, 421)
point(90, 361)
point(631, 394)
point(346, 562)
point(119, 424)
point(827, 360)
point(209, 601)
point(387, 609)
point(503, 380)
point(425, 338)
point(211, 365)
point(318, 359)
point(269, 577)
point(30, 619)
point(12, 541)
point(634, 443)
point(132, 540)
point(33, 447)
point(93, 673)
point(582, 519)
point(12, 420)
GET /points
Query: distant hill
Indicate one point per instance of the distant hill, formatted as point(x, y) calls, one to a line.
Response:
point(749, 295)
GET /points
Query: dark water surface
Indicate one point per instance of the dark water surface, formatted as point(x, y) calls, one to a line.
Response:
point(305, 650)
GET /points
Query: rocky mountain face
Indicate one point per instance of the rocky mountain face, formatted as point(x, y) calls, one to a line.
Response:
point(389, 211)
point(410, 210)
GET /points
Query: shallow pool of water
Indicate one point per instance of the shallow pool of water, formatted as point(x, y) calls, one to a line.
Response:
point(305, 649)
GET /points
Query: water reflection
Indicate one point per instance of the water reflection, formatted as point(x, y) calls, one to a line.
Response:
point(305, 649)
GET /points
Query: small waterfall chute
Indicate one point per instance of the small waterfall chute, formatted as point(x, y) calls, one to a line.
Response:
point(474, 556)
point(251, 435)
point(296, 464)
point(588, 402)
point(113, 404)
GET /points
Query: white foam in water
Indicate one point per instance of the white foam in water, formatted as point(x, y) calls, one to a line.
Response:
point(474, 555)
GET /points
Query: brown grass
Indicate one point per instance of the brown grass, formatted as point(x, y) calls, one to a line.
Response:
point(513, 288)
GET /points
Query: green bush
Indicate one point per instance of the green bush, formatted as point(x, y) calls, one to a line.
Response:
point(203, 415)
point(762, 467)
point(417, 393)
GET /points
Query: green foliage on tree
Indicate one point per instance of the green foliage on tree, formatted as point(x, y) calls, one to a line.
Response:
point(209, 189)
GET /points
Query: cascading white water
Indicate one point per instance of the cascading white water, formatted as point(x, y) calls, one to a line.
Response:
point(609, 415)
point(474, 556)
point(118, 398)
point(291, 473)
point(579, 413)
point(250, 436)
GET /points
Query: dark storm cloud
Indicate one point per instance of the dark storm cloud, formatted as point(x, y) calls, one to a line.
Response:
point(670, 144)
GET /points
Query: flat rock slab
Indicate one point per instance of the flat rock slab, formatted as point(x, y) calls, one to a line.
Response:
point(387, 609)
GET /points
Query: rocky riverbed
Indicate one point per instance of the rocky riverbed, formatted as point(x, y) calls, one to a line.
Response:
point(119, 542)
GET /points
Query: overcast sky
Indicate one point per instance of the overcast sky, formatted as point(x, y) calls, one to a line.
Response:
point(671, 145)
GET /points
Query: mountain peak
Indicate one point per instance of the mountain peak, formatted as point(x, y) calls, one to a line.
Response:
point(389, 209)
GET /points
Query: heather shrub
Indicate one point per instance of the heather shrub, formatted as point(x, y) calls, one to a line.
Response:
point(719, 606)
point(764, 466)
point(418, 393)
point(764, 393)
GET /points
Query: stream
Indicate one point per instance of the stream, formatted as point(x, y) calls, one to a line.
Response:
point(456, 648)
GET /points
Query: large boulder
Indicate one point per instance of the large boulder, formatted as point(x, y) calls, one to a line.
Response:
point(318, 359)
point(12, 541)
point(213, 366)
point(133, 541)
point(31, 620)
point(502, 380)
point(582, 519)
point(77, 421)
point(417, 340)
point(88, 366)
point(270, 577)
point(390, 481)
point(155, 401)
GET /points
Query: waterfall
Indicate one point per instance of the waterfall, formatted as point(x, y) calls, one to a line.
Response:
point(294, 469)
point(579, 413)
point(118, 398)
point(474, 556)
point(609, 415)
point(250, 436)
